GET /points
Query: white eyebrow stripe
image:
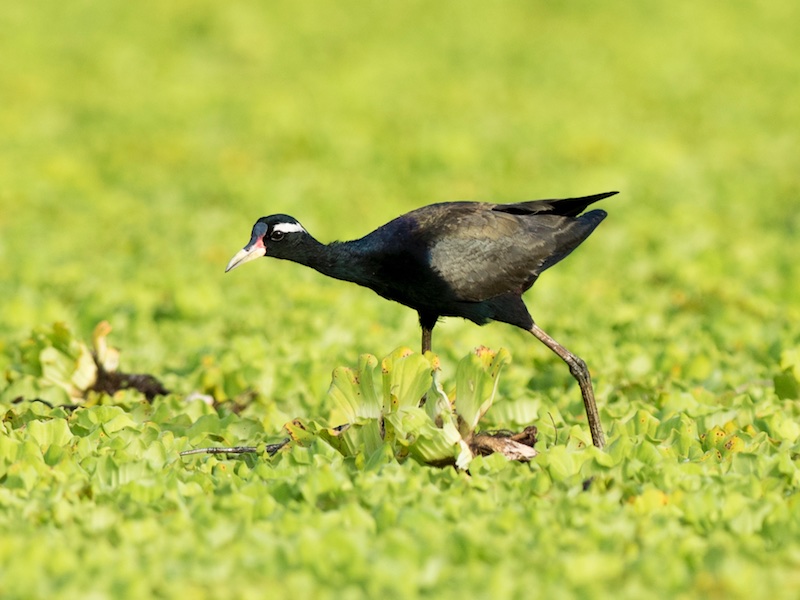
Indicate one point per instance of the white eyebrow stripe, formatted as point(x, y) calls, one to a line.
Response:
point(288, 227)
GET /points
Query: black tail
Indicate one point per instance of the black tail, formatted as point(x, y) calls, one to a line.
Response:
point(567, 207)
point(572, 234)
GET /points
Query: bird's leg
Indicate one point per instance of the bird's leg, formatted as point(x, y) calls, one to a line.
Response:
point(427, 335)
point(581, 373)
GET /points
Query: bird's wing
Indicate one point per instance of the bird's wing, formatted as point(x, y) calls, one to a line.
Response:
point(483, 251)
point(479, 255)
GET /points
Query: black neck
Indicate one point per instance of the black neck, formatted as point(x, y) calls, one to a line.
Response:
point(340, 260)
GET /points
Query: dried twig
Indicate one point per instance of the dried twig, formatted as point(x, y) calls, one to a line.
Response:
point(270, 449)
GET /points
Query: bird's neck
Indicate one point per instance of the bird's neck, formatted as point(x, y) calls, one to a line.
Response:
point(340, 260)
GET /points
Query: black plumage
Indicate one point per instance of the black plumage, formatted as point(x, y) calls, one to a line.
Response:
point(455, 259)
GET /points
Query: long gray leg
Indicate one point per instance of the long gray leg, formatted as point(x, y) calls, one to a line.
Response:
point(581, 373)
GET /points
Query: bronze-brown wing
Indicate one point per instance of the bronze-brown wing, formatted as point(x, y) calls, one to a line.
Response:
point(482, 252)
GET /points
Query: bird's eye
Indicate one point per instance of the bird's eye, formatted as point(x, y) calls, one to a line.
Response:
point(277, 236)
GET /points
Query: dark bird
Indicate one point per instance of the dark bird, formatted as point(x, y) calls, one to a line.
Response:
point(455, 259)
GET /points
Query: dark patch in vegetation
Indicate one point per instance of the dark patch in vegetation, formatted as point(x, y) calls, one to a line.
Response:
point(110, 382)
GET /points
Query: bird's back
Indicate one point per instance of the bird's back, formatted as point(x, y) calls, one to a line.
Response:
point(450, 259)
point(485, 250)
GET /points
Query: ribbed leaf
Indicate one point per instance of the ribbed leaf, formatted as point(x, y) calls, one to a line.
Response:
point(406, 378)
point(476, 383)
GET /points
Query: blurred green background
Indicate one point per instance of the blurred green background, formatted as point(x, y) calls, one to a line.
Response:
point(140, 141)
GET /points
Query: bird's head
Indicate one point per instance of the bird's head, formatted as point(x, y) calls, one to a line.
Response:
point(275, 235)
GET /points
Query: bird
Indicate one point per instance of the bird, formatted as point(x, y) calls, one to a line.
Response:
point(451, 259)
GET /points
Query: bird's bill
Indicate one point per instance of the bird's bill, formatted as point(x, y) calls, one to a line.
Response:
point(250, 252)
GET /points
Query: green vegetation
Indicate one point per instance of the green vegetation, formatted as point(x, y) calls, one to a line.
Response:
point(139, 142)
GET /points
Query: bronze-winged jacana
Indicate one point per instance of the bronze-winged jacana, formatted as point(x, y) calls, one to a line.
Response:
point(455, 259)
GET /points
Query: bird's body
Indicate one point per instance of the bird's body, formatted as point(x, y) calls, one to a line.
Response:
point(455, 259)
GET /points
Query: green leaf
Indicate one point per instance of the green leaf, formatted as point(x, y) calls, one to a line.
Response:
point(345, 392)
point(785, 427)
point(425, 441)
point(60, 360)
point(75, 375)
point(118, 422)
point(406, 377)
point(645, 423)
point(371, 404)
point(476, 384)
point(437, 404)
point(8, 449)
point(301, 432)
point(790, 362)
point(362, 436)
point(560, 462)
point(354, 393)
point(52, 432)
point(787, 386)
